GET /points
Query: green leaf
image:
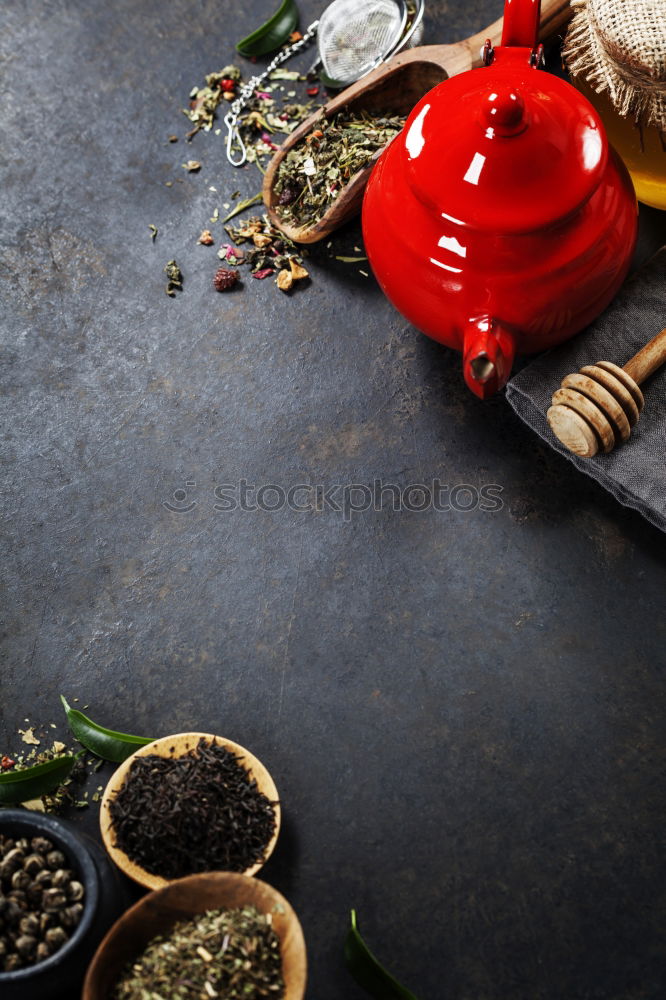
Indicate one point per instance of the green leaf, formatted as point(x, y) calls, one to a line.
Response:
point(273, 33)
point(242, 205)
point(104, 743)
point(31, 782)
point(367, 971)
point(329, 82)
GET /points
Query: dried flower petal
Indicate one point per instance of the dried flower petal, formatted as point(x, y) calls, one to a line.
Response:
point(285, 280)
point(262, 240)
point(263, 272)
point(297, 270)
point(206, 238)
point(231, 254)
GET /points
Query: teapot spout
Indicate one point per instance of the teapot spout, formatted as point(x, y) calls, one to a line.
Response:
point(488, 353)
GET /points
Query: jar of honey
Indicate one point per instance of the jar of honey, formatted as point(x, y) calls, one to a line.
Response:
point(615, 51)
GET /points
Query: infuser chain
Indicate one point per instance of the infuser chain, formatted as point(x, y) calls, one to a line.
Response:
point(248, 89)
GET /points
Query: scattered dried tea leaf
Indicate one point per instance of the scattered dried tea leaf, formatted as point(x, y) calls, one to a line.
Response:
point(175, 276)
point(34, 805)
point(242, 205)
point(298, 272)
point(153, 232)
point(231, 254)
point(192, 166)
point(204, 100)
point(28, 736)
point(285, 74)
point(285, 280)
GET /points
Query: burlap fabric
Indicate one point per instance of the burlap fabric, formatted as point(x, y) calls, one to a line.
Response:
point(619, 46)
point(635, 472)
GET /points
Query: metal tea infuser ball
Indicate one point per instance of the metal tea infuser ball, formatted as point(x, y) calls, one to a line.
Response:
point(353, 37)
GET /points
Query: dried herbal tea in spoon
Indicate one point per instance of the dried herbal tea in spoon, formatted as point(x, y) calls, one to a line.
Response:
point(231, 954)
point(313, 173)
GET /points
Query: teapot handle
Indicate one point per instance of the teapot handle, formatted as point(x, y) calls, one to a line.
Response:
point(521, 23)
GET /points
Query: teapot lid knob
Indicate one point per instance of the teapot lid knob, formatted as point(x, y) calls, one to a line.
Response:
point(504, 111)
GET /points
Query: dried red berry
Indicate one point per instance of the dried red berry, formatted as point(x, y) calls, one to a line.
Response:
point(287, 195)
point(227, 84)
point(6, 762)
point(225, 279)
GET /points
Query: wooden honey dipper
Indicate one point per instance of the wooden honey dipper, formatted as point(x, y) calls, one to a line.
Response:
point(597, 407)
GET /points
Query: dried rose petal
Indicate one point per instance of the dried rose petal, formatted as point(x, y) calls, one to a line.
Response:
point(231, 254)
point(263, 273)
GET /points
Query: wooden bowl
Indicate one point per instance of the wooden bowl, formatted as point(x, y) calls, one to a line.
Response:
point(157, 912)
point(177, 746)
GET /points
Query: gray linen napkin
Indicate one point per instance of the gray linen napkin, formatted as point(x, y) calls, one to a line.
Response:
point(635, 472)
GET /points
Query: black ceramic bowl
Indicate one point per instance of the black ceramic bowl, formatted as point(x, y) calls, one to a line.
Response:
point(105, 898)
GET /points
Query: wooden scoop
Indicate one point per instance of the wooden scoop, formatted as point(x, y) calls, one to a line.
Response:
point(597, 407)
point(394, 87)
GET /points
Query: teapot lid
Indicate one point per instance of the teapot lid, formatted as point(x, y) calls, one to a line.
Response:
point(507, 148)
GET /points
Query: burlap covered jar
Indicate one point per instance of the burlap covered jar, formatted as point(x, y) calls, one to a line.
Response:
point(615, 51)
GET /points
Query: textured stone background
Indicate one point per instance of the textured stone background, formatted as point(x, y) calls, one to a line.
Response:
point(464, 712)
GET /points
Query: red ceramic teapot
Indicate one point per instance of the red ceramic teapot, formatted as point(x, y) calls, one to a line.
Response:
point(500, 220)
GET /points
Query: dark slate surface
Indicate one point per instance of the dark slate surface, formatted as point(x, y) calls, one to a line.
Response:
point(463, 711)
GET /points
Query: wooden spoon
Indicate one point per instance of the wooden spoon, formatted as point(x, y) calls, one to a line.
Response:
point(184, 899)
point(178, 746)
point(396, 86)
